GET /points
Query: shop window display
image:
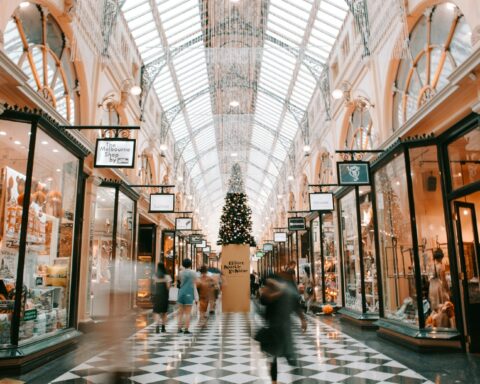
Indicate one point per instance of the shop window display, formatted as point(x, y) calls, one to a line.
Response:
point(112, 268)
point(317, 259)
point(437, 297)
point(438, 44)
point(368, 249)
point(464, 157)
point(395, 241)
point(49, 233)
point(14, 169)
point(351, 259)
point(330, 259)
point(102, 247)
point(47, 270)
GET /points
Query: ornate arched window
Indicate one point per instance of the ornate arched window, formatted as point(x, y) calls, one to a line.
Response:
point(35, 42)
point(359, 133)
point(439, 43)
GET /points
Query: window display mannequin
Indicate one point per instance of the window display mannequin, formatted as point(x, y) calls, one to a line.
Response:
point(438, 286)
point(438, 294)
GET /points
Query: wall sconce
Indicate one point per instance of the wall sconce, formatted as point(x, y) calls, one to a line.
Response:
point(345, 93)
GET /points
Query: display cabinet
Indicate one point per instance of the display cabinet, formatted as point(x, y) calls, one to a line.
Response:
point(41, 193)
point(357, 246)
point(325, 259)
point(417, 295)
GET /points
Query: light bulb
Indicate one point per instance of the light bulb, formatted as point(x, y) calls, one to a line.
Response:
point(337, 94)
point(135, 90)
point(163, 147)
point(306, 148)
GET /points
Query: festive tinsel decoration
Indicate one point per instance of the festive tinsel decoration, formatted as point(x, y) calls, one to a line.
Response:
point(236, 219)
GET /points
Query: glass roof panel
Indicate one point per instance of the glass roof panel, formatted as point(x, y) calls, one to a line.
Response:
point(281, 77)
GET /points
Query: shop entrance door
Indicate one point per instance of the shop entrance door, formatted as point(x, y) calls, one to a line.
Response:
point(469, 257)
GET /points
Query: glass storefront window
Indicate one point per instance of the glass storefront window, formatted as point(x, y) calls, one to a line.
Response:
point(368, 249)
point(102, 247)
point(317, 260)
point(464, 157)
point(124, 276)
point(14, 143)
point(351, 258)
point(112, 269)
point(395, 240)
point(330, 259)
point(50, 234)
point(432, 236)
point(168, 250)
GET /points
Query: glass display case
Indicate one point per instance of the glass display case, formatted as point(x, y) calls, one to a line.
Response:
point(40, 192)
point(112, 269)
point(413, 246)
point(325, 259)
point(357, 244)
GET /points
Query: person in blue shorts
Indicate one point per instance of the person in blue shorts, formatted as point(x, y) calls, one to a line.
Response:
point(186, 296)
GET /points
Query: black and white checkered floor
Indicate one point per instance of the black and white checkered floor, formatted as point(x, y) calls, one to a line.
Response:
point(224, 352)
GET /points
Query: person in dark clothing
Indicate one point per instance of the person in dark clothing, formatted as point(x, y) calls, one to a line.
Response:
point(280, 300)
point(252, 284)
point(161, 284)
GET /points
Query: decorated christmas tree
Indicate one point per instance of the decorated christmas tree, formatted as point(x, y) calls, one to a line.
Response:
point(236, 219)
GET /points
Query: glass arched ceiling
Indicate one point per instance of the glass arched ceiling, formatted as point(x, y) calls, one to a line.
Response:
point(244, 51)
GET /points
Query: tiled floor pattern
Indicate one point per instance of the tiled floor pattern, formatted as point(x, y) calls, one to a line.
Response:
point(224, 352)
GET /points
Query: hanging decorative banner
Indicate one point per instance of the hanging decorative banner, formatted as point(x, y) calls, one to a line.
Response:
point(162, 202)
point(115, 153)
point(321, 201)
point(296, 224)
point(183, 224)
point(353, 173)
point(267, 247)
point(259, 254)
point(280, 237)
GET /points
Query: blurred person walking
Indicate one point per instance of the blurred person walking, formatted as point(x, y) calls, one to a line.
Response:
point(205, 287)
point(186, 296)
point(280, 300)
point(161, 285)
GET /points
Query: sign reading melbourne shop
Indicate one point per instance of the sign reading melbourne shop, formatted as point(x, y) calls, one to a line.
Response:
point(115, 153)
point(296, 224)
point(353, 173)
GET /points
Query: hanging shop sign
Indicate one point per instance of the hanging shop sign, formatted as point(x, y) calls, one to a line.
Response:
point(183, 224)
point(321, 201)
point(267, 247)
point(162, 202)
point(115, 153)
point(196, 239)
point(207, 250)
point(259, 254)
point(296, 224)
point(202, 244)
point(353, 173)
point(280, 237)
